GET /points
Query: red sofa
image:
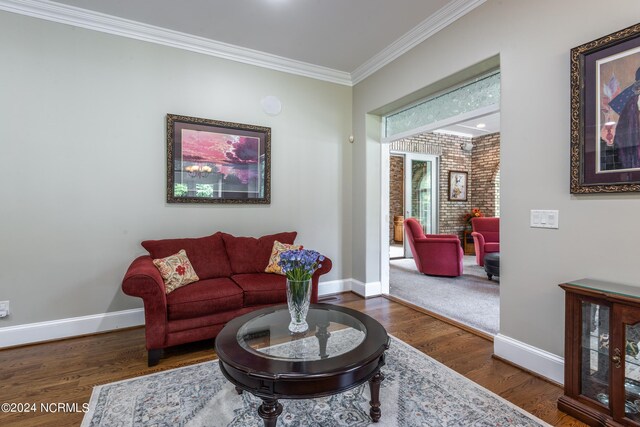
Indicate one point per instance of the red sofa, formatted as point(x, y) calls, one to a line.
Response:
point(434, 254)
point(486, 237)
point(232, 282)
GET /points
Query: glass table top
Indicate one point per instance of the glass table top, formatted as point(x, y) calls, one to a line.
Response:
point(331, 333)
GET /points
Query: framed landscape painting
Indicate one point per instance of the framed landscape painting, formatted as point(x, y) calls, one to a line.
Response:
point(458, 186)
point(605, 121)
point(210, 161)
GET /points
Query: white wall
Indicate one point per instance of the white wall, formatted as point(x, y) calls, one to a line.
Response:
point(83, 161)
point(597, 236)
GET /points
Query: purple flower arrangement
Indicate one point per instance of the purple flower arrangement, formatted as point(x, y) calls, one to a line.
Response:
point(300, 264)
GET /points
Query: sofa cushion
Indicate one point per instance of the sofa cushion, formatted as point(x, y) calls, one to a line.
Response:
point(274, 259)
point(207, 254)
point(204, 298)
point(262, 288)
point(176, 271)
point(251, 255)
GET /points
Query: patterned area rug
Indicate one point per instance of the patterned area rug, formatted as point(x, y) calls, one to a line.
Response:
point(417, 391)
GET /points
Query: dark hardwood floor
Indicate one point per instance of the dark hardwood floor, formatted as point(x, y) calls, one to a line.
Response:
point(66, 371)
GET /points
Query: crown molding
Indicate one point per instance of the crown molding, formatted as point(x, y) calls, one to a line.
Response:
point(56, 12)
point(70, 15)
point(436, 22)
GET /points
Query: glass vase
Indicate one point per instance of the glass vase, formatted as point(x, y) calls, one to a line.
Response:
point(298, 300)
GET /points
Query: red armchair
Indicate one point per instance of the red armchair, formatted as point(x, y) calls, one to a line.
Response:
point(486, 237)
point(434, 254)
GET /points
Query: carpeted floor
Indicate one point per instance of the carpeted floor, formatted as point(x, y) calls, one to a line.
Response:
point(471, 299)
point(417, 391)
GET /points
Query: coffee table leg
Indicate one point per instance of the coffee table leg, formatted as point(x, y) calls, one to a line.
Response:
point(323, 335)
point(374, 386)
point(238, 390)
point(269, 411)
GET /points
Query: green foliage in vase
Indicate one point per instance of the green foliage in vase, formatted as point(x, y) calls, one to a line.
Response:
point(298, 291)
point(299, 265)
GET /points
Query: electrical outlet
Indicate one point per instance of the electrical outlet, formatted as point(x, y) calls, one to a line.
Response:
point(4, 309)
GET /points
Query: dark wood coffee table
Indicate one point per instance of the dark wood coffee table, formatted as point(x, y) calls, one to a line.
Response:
point(342, 349)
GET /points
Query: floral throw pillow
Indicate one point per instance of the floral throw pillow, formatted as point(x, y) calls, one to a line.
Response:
point(278, 248)
point(176, 271)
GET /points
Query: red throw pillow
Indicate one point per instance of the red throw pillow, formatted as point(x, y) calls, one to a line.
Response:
point(251, 255)
point(207, 254)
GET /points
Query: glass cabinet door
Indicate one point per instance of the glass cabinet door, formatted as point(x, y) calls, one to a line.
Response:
point(594, 382)
point(625, 363)
point(632, 372)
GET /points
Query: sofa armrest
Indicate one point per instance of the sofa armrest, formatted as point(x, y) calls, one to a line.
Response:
point(436, 236)
point(143, 280)
point(478, 244)
point(326, 267)
point(478, 238)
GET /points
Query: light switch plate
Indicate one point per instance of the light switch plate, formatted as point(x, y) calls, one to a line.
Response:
point(4, 308)
point(544, 218)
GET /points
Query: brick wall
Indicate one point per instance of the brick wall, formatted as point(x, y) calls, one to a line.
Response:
point(485, 166)
point(482, 164)
point(451, 212)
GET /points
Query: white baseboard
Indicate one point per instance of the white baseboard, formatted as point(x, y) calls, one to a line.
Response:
point(529, 357)
point(65, 328)
point(345, 285)
point(366, 290)
point(334, 287)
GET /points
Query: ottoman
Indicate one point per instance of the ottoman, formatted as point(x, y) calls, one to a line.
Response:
point(492, 264)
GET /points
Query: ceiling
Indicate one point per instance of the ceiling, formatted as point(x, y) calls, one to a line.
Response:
point(337, 34)
point(470, 129)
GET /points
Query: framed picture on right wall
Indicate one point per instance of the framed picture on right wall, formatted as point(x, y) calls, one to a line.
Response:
point(605, 107)
point(458, 186)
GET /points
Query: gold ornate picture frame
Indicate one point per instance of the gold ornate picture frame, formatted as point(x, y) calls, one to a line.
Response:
point(605, 126)
point(211, 161)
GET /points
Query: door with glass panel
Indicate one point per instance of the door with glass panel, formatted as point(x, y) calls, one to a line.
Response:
point(421, 193)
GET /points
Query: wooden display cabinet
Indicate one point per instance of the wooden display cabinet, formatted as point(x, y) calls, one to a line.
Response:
point(602, 358)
